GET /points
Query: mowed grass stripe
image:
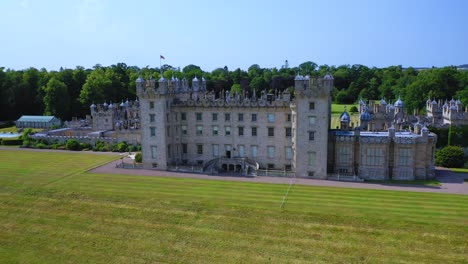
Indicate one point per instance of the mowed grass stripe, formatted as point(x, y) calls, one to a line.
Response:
point(254, 190)
point(335, 192)
point(129, 223)
point(99, 218)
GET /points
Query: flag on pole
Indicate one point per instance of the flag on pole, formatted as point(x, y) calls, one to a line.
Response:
point(162, 57)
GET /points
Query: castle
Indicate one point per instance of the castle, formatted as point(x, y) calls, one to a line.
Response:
point(183, 124)
point(449, 113)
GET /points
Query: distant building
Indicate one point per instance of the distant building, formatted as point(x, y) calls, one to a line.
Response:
point(45, 122)
point(449, 113)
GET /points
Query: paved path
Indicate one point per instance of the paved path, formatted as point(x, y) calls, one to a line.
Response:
point(451, 182)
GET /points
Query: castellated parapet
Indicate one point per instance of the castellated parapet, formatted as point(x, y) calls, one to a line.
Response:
point(187, 125)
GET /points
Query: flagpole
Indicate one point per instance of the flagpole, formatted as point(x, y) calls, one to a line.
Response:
point(160, 67)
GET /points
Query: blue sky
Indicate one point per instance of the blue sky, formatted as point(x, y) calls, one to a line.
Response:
point(239, 33)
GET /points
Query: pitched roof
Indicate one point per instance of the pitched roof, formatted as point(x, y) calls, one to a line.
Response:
point(27, 118)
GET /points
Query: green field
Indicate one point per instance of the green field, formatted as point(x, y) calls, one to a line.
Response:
point(52, 211)
point(339, 108)
point(459, 170)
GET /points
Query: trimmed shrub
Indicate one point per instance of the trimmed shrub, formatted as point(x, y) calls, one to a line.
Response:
point(12, 142)
point(41, 146)
point(122, 147)
point(84, 146)
point(353, 109)
point(450, 157)
point(139, 157)
point(132, 148)
point(72, 144)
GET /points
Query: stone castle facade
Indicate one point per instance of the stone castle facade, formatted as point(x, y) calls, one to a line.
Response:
point(449, 113)
point(184, 124)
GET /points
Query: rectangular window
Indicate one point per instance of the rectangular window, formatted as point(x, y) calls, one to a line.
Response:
point(152, 117)
point(271, 166)
point(153, 152)
point(241, 131)
point(151, 105)
point(168, 118)
point(271, 131)
point(215, 130)
point(215, 116)
point(215, 150)
point(168, 151)
point(227, 130)
point(183, 116)
point(198, 116)
point(271, 152)
point(184, 130)
point(241, 150)
point(344, 155)
point(289, 153)
point(199, 130)
point(312, 158)
point(405, 157)
point(227, 117)
point(373, 157)
point(153, 131)
point(199, 149)
point(287, 167)
point(271, 118)
point(241, 117)
point(254, 117)
point(254, 151)
point(312, 120)
point(254, 131)
point(168, 131)
point(311, 105)
point(288, 131)
point(184, 149)
point(288, 117)
point(311, 135)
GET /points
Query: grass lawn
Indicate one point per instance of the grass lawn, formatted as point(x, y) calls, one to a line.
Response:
point(13, 129)
point(339, 108)
point(52, 211)
point(459, 170)
point(433, 182)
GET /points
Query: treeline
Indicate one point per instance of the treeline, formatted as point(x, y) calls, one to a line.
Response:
point(69, 92)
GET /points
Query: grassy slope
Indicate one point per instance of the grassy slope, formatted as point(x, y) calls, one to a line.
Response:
point(52, 212)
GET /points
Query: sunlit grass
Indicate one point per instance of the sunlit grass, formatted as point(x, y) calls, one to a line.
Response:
point(52, 211)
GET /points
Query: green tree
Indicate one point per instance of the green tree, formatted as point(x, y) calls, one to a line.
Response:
point(94, 90)
point(56, 99)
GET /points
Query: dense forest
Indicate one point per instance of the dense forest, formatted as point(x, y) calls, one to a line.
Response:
point(69, 92)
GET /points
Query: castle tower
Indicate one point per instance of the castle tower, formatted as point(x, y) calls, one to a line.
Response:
point(195, 88)
point(310, 121)
point(154, 109)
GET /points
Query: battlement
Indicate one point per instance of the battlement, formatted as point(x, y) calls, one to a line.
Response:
point(305, 85)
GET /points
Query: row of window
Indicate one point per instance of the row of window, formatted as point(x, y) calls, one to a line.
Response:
point(271, 152)
point(227, 131)
point(151, 105)
point(227, 117)
point(374, 156)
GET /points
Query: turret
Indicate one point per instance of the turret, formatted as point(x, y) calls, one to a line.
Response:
point(162, 85)
point(140, 84)
point(345, 119)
